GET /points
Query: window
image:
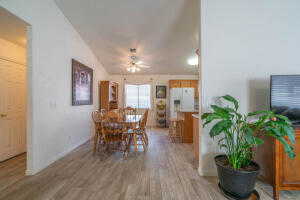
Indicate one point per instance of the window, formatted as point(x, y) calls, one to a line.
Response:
point(138, 96)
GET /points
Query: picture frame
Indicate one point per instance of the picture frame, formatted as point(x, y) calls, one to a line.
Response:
point(82, 84)
point(161, 91)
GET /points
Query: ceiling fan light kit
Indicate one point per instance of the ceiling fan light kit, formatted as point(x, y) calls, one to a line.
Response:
point(135, 65)
point(133, 69)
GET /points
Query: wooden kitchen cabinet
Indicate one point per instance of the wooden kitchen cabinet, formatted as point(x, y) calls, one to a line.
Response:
point(174, 84)
point(187, 126)
point(185, 83)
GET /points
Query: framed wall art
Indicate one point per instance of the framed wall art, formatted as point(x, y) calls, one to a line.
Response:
point(161, 91)
point(82, 84)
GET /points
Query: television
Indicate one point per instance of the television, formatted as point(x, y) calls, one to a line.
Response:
point(285, 96)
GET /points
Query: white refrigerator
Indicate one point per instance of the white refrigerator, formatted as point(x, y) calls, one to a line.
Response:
point(181, 100)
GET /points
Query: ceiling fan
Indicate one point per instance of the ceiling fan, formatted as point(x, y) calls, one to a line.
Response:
point(135, 64)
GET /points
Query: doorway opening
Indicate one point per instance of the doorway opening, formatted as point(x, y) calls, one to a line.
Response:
point(15, 107)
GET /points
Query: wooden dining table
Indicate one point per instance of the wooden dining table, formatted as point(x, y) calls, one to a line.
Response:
point(130, 122)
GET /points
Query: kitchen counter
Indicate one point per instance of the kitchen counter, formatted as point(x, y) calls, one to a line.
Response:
point(187, 126)
point(188, 111)
point(195, 116)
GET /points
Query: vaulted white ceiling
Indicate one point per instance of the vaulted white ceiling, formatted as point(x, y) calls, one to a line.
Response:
point(164, 32)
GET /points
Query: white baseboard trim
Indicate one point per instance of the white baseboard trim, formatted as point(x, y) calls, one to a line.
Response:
point(207, 172)
point(30, 172)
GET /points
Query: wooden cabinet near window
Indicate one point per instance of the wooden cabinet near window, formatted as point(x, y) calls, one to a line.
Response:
point(277, 168)
point(108, 95)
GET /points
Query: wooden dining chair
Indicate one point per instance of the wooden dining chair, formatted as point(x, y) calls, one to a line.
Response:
point(115, 135)
point(113, 116)
point(140, 133)
point(175, 130)
point(103, 111)
point(97, 117)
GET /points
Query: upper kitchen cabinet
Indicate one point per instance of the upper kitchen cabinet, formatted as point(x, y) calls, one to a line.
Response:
point(175, 83)
point(185, 83)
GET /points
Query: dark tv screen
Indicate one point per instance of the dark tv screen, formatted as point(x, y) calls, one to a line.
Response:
point(285, 96)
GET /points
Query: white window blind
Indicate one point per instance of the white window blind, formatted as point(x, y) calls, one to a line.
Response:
point(138, 96)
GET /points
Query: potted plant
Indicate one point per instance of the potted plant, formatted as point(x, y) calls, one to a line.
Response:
point(238, 134)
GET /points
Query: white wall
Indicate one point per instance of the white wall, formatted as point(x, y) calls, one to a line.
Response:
point(56, 126)
point(153, 80)
point(242, 44)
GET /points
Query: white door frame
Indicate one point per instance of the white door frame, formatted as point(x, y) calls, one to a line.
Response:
point(29, 97)
point(29, 110)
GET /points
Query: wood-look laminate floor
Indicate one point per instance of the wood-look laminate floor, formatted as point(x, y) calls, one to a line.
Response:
point(165, 171)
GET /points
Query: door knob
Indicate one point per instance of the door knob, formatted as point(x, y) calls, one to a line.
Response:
point(3, 115)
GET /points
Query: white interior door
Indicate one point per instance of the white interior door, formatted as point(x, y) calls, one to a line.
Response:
point(12, 109)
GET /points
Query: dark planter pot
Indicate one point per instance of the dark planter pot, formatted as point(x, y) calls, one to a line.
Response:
point(239, 184)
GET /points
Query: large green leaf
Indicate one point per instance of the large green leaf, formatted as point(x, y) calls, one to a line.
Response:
point(284, 118)
point(205, 115)
point(274, 131)
point(233, 112)
point(222, 112)
point(258, 141)
point(209, 117)
point(287, 148)
point(290, 133)
point(219, 109)
point(232, 100)
point(220, 127)
point(221, 140)
point(249, 135)
point(251, 139)
point(260, 112)
point(263, 118)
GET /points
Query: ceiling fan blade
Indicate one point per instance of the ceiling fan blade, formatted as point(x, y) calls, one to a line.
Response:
point(139, 62)
point(143, 66)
